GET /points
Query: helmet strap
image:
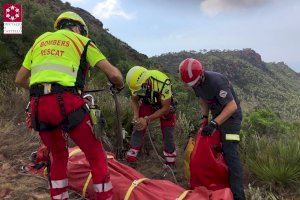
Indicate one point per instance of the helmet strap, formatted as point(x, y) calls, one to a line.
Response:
point(200, 81)
point(82, 30)
point(202, 78)
point(69, 24)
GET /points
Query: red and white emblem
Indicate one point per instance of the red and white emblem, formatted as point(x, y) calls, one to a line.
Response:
point(12, 13)
point(12, 18)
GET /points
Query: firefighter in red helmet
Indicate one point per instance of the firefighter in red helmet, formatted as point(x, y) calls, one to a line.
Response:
point(217, 96)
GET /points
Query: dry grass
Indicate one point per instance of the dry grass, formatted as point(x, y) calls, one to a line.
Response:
point(16, 144)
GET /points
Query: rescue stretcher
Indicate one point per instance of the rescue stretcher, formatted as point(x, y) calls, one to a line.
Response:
point(128, 184)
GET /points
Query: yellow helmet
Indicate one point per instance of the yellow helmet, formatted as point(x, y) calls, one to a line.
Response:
point(71, 16)
point(135, 77)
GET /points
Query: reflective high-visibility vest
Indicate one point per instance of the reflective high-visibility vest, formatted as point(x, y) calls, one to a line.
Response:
point(55, 57)
point(156, 90)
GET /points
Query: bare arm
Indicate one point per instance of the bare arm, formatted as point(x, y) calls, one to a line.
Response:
point(204, 111)
point(142, 123)
point(112, 73)
point(22, 78)
point(164, 110)
point(204, 107)
point(227, 111)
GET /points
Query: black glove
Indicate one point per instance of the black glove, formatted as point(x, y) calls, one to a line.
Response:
point(210, 128)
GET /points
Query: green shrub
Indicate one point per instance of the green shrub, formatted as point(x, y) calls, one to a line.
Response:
point(183, 128)
point(264, 121)
point(274, 161)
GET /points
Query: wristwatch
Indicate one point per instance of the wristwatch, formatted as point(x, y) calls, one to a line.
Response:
point(214, 123)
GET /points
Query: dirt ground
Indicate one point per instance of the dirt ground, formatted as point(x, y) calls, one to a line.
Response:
point(16, 145)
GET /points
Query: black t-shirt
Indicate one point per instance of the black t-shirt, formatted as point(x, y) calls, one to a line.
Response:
point(217, 91)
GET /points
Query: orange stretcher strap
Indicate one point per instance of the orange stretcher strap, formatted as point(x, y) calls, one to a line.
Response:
point(134, 184)
point(183, 195)
point(86, 184)
point(74, 152)
point(78, 150)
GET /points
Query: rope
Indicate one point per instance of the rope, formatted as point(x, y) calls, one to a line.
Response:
point(97, 90)
point(75, 195)
point(119, 142)
point(23, 173)
point(162, 161)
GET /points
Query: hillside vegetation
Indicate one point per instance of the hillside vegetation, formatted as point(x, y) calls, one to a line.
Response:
point(270, 94)
point(258, 84)
point(39, 17)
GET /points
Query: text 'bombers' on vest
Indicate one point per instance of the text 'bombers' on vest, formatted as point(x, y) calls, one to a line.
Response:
point(55, 42)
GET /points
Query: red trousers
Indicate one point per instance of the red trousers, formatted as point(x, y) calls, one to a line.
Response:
point(167, 123)
point(50, 112)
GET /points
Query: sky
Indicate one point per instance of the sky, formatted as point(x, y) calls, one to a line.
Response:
point(153, 27)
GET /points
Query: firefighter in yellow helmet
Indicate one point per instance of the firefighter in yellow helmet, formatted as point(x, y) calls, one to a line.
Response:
point(151, 99)
point(54, 70)
point(71, 18)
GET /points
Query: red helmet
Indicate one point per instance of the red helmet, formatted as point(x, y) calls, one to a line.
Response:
point(191, 70)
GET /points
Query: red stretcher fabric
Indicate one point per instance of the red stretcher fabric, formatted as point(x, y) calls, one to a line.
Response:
point(207, 165)
point(122, 177)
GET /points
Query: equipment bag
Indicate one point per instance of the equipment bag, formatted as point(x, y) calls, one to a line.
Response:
point(207, 165)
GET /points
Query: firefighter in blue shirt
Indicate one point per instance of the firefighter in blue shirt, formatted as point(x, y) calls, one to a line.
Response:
point(216, 95)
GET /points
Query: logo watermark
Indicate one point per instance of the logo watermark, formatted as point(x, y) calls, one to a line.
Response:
point(12, 18)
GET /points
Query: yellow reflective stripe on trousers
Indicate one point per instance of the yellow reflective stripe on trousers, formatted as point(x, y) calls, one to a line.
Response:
point(54, 67)
point(183, 195)
point(134, 184)
point(232, 137)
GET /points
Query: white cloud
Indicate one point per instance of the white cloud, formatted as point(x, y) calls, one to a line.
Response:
point(215, 7)
point(72, 2)
point(108, 8)
point(174, 37)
